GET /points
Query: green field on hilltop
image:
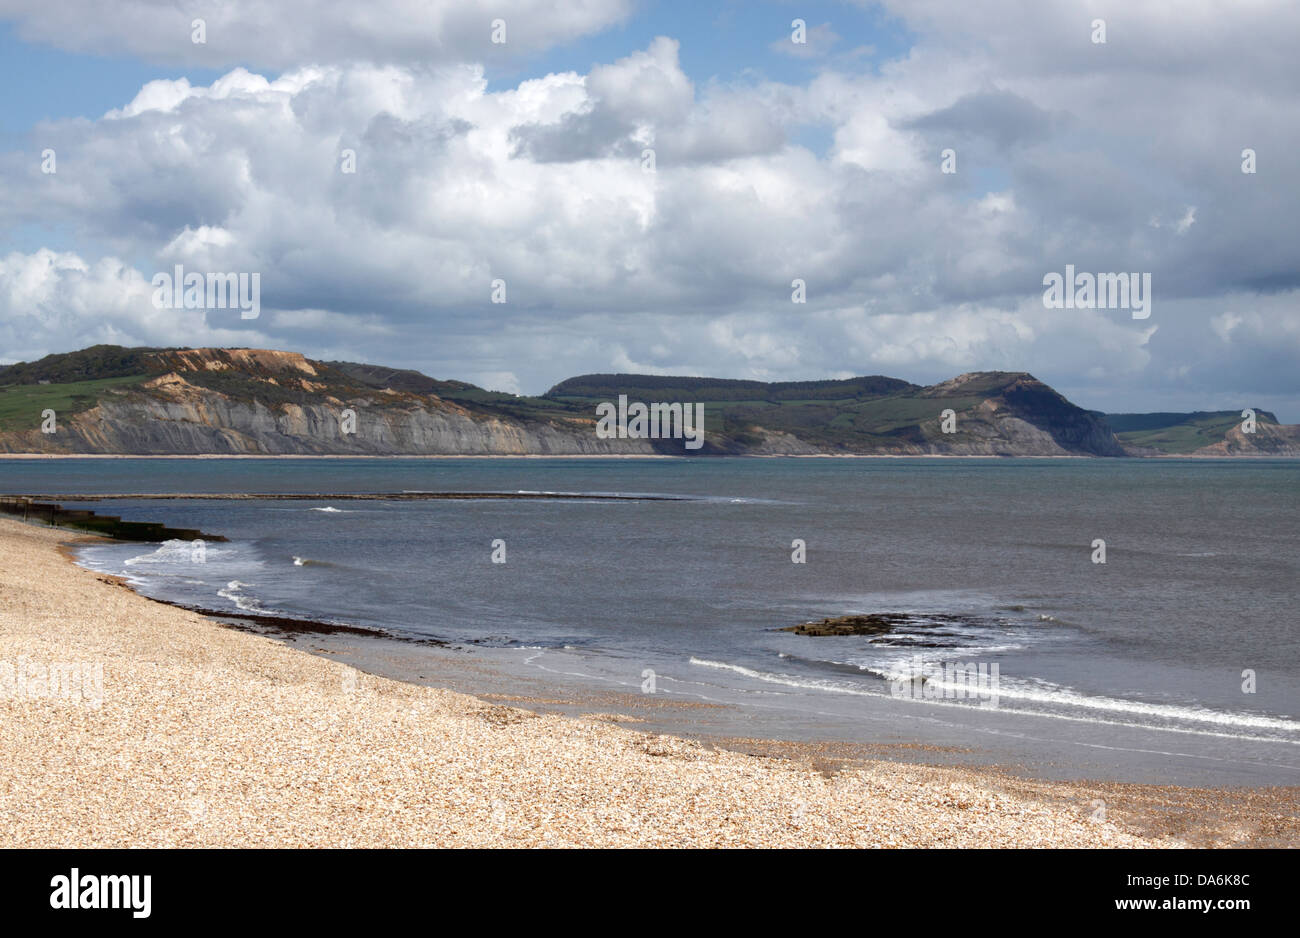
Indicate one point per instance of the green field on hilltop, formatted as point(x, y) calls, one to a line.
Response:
point(21, 404)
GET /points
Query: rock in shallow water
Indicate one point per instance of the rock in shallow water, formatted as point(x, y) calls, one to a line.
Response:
point(876, 623)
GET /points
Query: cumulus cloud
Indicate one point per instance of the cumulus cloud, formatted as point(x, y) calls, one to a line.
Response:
point(646, 101)
point(1004, 118)
point(57, 301)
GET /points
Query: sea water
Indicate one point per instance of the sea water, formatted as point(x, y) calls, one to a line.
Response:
point(1178, 659)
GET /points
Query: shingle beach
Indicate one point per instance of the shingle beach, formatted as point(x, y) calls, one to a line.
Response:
point(208, 736)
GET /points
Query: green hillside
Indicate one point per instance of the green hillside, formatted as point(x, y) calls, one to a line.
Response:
point(853, 415)
point(1179, 434)
point(88, 364)
point(21, 404)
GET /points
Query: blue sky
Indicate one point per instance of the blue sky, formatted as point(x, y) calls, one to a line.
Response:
point(720, 42)
point(732, 41)
point(43, 83)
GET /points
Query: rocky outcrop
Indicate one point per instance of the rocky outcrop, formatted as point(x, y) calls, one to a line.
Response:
point(875, 623)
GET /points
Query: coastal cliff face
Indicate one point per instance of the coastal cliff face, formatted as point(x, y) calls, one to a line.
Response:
point(113, 400)
point(221, 426)
point(168, 415)
point(1017, 415)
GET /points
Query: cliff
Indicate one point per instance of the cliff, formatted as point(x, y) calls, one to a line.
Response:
point(113, 400)
point(254, 401)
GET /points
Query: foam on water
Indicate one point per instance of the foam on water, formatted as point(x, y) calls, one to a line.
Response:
point(233, 591)
point(180, 552)
point(1177, 719)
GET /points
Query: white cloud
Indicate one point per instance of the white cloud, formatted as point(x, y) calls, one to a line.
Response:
point(52, 299)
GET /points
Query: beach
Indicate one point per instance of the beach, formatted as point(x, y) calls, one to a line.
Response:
point(206, 736)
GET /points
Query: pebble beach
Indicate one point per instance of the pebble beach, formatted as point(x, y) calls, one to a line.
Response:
point(174, 730)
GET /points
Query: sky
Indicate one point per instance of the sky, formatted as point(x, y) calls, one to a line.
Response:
point(524, 162)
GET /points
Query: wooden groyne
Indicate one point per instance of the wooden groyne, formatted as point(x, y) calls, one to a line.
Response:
point(34, 511)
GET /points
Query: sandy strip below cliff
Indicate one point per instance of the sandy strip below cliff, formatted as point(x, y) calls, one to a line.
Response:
point(211, 737)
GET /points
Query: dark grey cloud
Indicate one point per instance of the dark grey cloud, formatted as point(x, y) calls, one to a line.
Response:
point(1003, 118)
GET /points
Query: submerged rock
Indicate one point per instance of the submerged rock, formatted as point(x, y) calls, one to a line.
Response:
point(873, 624)
point(876, 623)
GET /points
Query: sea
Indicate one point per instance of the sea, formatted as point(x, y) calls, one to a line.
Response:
point(1009, 641)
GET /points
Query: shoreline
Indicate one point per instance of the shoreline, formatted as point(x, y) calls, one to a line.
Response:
point(212, 736)
point(1159, 457)
point(350, 497)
